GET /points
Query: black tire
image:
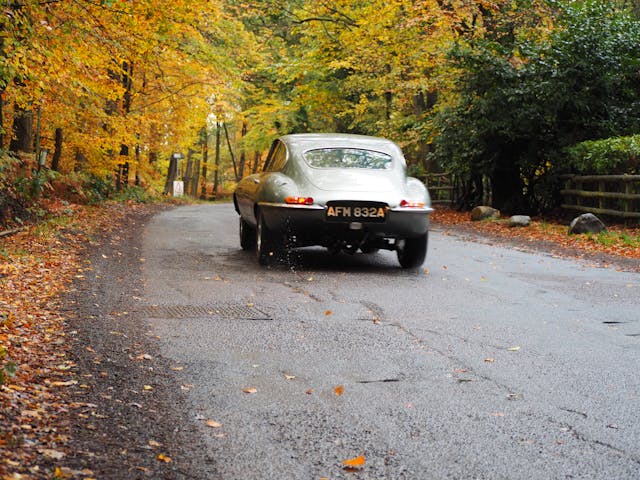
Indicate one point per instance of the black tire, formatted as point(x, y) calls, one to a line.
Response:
point(412, 251)
point(369, 250)
point(264, 244)
point(247, 235)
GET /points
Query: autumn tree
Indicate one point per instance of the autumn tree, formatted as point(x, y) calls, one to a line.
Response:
point(120, 77)
point(522, 103)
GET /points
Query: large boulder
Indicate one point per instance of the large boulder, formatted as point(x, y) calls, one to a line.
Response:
point(586, 223)
point(519, 221)
point(483, 212)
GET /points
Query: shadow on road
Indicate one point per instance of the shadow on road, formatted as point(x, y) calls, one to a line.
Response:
point(319, 259)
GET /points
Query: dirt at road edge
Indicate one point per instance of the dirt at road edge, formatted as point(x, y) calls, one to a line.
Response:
point(132, 420)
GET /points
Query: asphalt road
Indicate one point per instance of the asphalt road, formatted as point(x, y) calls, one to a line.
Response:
point(487, 363)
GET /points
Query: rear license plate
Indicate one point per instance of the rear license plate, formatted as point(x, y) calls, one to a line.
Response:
point(356, 211)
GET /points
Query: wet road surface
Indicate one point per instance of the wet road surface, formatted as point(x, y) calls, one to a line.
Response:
point(488, 362)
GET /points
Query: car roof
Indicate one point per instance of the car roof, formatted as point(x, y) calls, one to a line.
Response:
point(301, 142)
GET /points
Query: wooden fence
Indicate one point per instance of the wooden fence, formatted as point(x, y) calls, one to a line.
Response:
point(442, 187)
point(610, 195)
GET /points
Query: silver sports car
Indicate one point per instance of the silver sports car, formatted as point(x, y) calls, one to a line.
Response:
point(344, 192)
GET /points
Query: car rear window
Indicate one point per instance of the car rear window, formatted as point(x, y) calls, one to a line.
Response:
point(347, 158)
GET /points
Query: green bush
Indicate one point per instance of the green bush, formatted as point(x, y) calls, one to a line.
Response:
point(616, 155)
point(136, 194)
point(13, 202)
point(98, 189)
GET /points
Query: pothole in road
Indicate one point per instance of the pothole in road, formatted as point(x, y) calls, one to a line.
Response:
point(214, 311)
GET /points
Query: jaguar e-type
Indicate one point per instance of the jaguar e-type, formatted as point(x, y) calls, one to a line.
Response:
point(345, 192)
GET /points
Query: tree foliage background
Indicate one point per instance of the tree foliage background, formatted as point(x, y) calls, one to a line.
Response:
point(496, 91)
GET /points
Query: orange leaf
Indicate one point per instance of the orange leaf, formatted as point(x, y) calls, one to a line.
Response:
point(339, 390)
point(250, 390)
point(357, 462)
point(214, 424)
point(327, 313)
point(163, 458)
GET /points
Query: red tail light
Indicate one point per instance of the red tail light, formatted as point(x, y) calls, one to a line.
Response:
point(299, 200)
point(408, 204)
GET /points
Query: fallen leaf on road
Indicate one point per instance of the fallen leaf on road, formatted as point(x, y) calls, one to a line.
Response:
point(58, 473)
point(64, 384)
point(47, 452)
point(327, 313)
point(289, 377)
point(147, 387)
point(354, 463)
point(339, 390)
point(250, 390)
point(489, 360)
point(214, 424)
point(163, 458)
point(513, 349)
point(309, 392)
point(153, 443)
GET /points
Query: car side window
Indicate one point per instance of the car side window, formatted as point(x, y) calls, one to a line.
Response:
point(278, 158)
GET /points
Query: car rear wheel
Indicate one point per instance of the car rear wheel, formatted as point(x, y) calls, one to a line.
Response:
point(247, 235)
point(368, 249)
point(412, 251)
point(264, 245)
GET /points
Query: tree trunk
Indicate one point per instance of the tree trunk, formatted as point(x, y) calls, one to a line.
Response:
point(22, 140)
point(195, 178)
point(172, 174)
point(243, 157)
point(80, 161)
point(186, 178)
point(507, 188)
point(137, 150)
point(1, 111)
point(233, 158)
point(216, 175)
point(205, 160)
point(57, 152)
point(256, 161)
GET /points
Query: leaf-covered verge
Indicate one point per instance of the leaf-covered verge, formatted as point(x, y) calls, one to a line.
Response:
point(619, 246)
point(38, 267)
